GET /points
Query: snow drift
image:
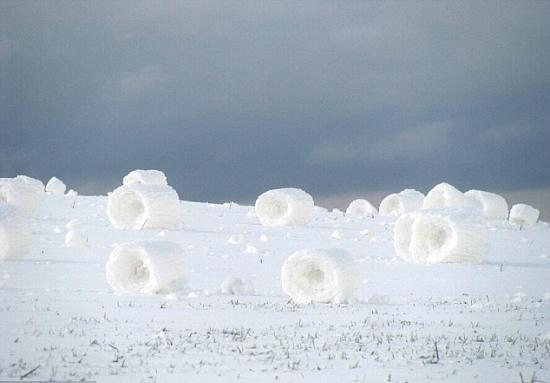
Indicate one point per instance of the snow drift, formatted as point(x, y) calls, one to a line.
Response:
point(445, 195)
point(55, 186)
point(522, 214)
point(151, 177)
point(146, 267)
point(144, 206)
point(441, 235)
point(360, 208)
point(493, 206)
point(284, 207)
point(15, 233)
point(406, 201)
point(318, 276)
point(25, 193)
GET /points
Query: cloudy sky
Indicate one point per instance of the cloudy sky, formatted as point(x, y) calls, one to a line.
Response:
point(342, 99)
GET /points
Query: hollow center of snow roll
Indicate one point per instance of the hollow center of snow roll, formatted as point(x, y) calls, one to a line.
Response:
point(434, 236)
point(275, 208)
point(132, 209)
point(138, 273)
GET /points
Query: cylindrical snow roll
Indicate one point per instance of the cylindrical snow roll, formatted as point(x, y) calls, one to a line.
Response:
point(15, 233)
point(493, 206)
point(319, 276)
point(151, 177)
point(406, 201)
point(146, 267)
point(523, 214)
point(284, 207)
point(441, 235)
point(141, 206)
point(361, 208)
point(55, 186)
point(25, 193)
point(445, 195)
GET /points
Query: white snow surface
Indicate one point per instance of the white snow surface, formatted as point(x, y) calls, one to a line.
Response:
point(284, 207)
point(409, 322)
point(140, 176)
point(405, 201)
point(55, 186)
point(361, 208)
point(493, 206)
point(523, 214)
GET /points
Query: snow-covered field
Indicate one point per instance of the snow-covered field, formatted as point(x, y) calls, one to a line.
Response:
point(60, 320)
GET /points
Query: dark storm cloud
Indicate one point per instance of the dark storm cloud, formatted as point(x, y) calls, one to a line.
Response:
point(230, 99)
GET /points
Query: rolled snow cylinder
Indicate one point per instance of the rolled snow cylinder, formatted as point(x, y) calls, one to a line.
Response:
point(406, 201)
point(284, 207)
point(445, 195)
point(146, 267)
point(319, 276)
point(493, 206)
point(361, 208)
point(74, 239)
point(55, 186)
point(141, 206)
point(150, 177)
point(24, 193)
point(523, 214)
point(441, 235)
point(15, 233)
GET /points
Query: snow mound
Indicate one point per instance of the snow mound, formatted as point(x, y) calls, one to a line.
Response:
point(25, 193)
point(319, 276)
point(74, 239)
point(146, 267)
point(142, 206)
point(493, 206)
point(406, 201)
point(150, 177)
point(361, 208)
point(445, 195)
point(73, 224)
point(522, 214)
point(441, 235)
point(15, 233)
point(55, 186)
point(284, 207)
point(236, 286)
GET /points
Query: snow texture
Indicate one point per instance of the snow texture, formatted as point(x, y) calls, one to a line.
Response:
point(523, 214)
point(73, 239)
point(236, 286)
point(319, 276)
point(144, 206)
point(406, 201)
point(284, 207)
point(441, 235)
point(150, 177)
point(25, 193)
point(55, 186)
point(15, 233)
point(445, 195)
point(361, 208)
point(146, 267)
point(493, 206)
point(73, 224)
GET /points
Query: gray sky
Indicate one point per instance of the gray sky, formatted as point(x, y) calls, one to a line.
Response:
point(232, 98)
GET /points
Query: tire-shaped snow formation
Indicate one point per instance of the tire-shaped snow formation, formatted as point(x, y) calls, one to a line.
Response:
point(361, 208)
point(284, 207)
point(445, 195)
point(150, 177)
point(146, 267)
point(441, 235)
point(24, 193)
point(319, 276)
point(141, 206)
point(523, 214)
point(15, 233)
point(493, 206)
point(406, 201)
point(55, 186)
